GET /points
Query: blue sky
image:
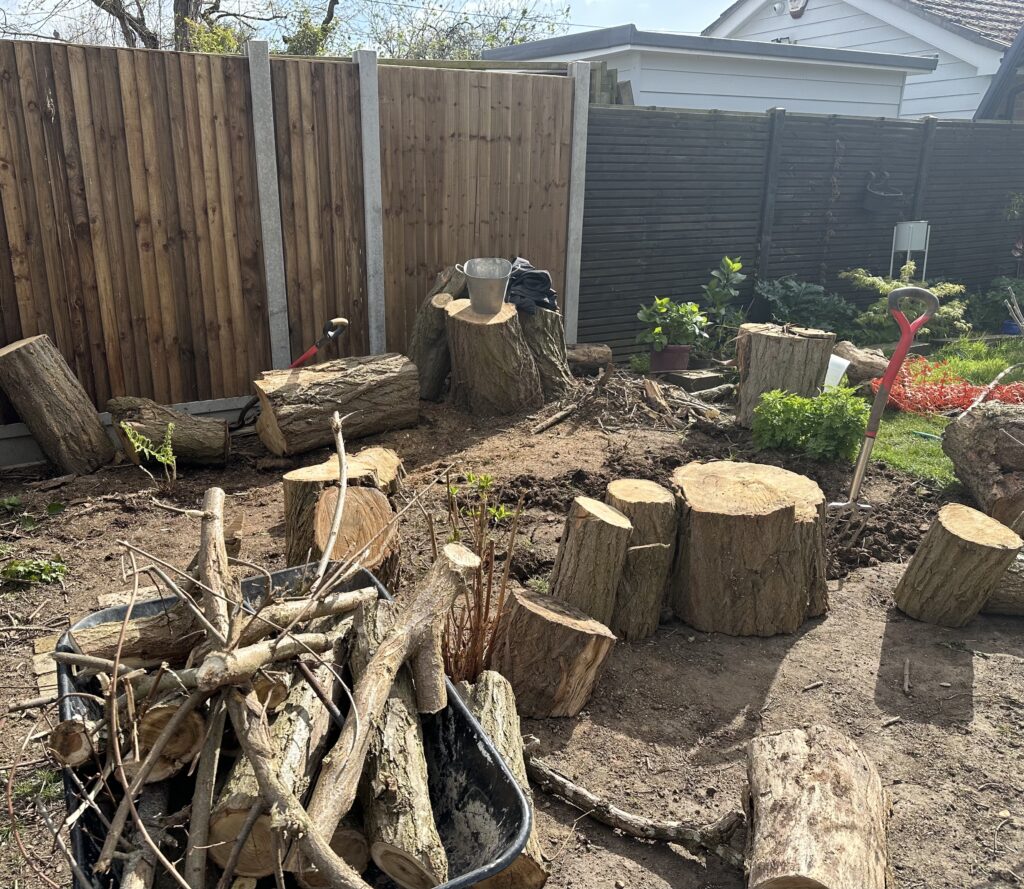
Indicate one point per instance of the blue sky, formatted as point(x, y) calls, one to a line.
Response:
point(688, 16)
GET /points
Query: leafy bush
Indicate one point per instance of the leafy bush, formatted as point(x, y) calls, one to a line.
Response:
point(640, 364)
point(34, 570)
point(829, 426)
point(671, 324)
point(720, 295)
point(808, 305)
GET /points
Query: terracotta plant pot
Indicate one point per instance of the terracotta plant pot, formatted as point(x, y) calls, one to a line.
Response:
point(670, 358)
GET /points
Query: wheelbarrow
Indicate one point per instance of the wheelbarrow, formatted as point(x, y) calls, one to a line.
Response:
point(481, 812)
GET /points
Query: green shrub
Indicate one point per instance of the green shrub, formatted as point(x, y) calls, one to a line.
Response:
point(720, 295)
point(808, 305)
point(671, 324)
point(829, 426)
point(640, 364)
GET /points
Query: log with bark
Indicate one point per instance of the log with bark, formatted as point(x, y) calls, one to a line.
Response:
point(865, 364)
point(375, 393)
point(651, 509)
point(588, 359)
point(750, 559)
point(493, 370)
point(551, 653)
point(349, 844)
point(591, 556)
point(986, 446)
point(54, 406)
point(1008, 596)
point(793, 359)
point(817, 813)
point(73, 742)
point(545, 338)
point(376, 467)
point(428, 346)
point(957, 567)
point(196, 440)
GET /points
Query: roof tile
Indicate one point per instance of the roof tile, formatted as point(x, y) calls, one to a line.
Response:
point(996, 19)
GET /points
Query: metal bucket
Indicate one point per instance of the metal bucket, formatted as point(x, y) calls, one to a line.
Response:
point(487, 280)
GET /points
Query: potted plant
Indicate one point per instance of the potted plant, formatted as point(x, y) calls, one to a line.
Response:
point(672, 330)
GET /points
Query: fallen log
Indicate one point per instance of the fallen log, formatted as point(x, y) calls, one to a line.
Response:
point(793, 359)
point(591, 555)
point(865, 364)
point(376, 392)
point(1008, 597)
point(195, 440)
point(817, 813)
point(428, 346)
point(957, 567)
point(551, 653)
point(588, 359)
point(545, 338)
point(54, 406)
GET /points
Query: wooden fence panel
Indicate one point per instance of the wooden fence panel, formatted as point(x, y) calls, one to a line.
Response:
point(473, 164)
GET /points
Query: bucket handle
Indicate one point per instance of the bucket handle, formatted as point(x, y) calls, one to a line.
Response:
point(460, 268)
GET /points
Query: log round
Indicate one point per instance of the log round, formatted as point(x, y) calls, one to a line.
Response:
point(588, 359)
point(196, 440)
point(368, 522)
point(545, 338)
point(751, 552)
point(1008, 596)
point(428, 346)
point(377, 392)
point(551, 653)
point(181, 749)
point(818, 813)
point(493, 371)
point(651, 509)
point(591, 555)
point(349, 844)
point(957, 567)
point(769, 357)
point(54, 406)
point(74, 742)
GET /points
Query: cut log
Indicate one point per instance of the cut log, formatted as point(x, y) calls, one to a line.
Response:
point(367, 524)
point(75, 741)
point(378, 392)
point(493, 371)
point(588, 359)
point(404, 842)
point(195, 440)
point(1008, 596)
point(545, 338)
point(590, 558)
point(865, 364)
point(750, 558)
point(450, 280)
point(552, 653)
point(817, 813)
point(986, 446)
point(298, 735)
point(54, 406)
point(349, 844)
point(793, 359)
point(957, 567)
point(651, 509)
point(428, 346)
point(491, 700)
point(302, 488)
point(180, 750)
point(376, 467)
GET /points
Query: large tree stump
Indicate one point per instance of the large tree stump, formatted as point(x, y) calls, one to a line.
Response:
point(493, 702)
point(377, 467)
point(298, 733)
point(195, 440)
point(588, 359)
point(552, 653)
point(54, 406)
point(1008, 597)
point(545, 338)
point(751, 553)
point(590, 558)
point(493, 371)
point(428, 346)
point(769, 357)
point(817, 813)
point(986, 446)
point(379, 392)
point(651, 509)
point(957, 567)
point(404, 842)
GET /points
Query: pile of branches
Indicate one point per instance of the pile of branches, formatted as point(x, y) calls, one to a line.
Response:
point(264, 712)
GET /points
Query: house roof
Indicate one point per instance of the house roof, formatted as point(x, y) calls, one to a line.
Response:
point(995, 101)
point(630, 36)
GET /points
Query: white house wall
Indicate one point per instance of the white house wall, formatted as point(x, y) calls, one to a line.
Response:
point(953, 90)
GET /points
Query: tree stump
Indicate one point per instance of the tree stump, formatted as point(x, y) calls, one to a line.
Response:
point(54, 406)
point(551, 653)
point(817, 813)
point(195, 440)
point(404, 842)
point(957, 567)
point(590, 558)
point(491, 700)
point(750, 559)
point(493, 371)
point(379, 468)
point(588, 359)
point(769, 357)
point(381, 392)
point(1008, 597)
point(302, 489)
point(651, 509)
point(545, 338)
point(428, 346)
point(986, 446)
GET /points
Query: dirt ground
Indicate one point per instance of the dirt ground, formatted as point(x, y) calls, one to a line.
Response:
point(665, 734)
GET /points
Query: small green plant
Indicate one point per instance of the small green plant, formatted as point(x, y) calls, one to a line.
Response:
point(10, 505)
point(720, 295)
point(539, 585)
point(164, 454)
point(808, 305)
point(640, 364)
point(670, 323)
point(34, 571)
point(829, 426)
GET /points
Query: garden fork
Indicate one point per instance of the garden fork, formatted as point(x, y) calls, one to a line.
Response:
point(846, 519)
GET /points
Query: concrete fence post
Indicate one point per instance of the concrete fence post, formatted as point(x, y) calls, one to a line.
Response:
point(580, 74)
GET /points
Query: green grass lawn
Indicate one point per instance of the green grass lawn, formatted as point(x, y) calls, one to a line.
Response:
point(898, 447)
point(978, 362)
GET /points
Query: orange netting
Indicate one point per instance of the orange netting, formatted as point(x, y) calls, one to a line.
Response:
point(923, 387)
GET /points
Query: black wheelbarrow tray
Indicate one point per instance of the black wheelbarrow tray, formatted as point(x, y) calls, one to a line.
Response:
point(482, 815)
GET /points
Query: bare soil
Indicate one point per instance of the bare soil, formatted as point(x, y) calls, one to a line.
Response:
point(666, 732)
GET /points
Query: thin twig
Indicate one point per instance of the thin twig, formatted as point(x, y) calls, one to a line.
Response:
point(339, 506)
